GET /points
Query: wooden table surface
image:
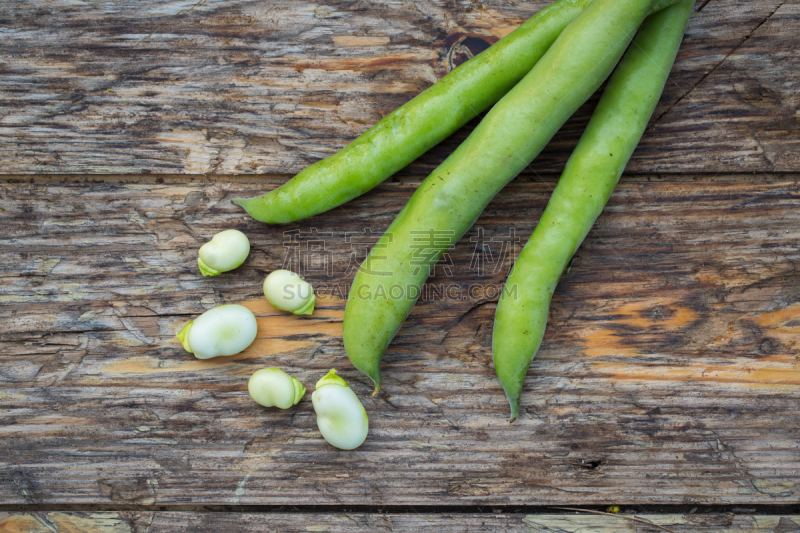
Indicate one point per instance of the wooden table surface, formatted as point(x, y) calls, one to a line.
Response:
point(669, 376)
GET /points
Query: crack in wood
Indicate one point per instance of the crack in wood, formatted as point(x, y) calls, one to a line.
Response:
point(168, 21)
point(715, 67)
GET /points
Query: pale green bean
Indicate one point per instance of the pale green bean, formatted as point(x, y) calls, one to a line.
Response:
point(220, 331)
point(341, 418)
point(226, 251)
point(272, 387)
point(287, 291)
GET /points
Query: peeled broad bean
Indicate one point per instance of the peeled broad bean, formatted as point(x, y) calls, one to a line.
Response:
point(272, 387)
point(289, 292)
point(223, 330)
point(225, 251)
point(341, 418)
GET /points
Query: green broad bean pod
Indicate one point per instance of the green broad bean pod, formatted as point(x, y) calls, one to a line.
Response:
point(449, 201)
point(412, 129)
point(584, 188)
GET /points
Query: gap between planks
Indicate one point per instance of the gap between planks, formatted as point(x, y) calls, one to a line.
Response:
point(277, 179)
point(626, 510)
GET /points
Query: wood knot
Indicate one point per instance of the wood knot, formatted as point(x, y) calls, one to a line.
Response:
point(463, 46)
point(590, 464)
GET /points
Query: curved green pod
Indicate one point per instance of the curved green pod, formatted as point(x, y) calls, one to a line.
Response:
point(414, 128)
point(584, 188)
point(449, 201)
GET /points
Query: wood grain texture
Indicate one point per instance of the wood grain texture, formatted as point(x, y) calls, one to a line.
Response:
point(669, 372)
point(231, 87)
point(169, 522)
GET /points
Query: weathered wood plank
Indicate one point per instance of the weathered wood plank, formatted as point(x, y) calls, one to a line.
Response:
point(669, 372)
point(742, 114)
point(168, 522)
point(222, 87)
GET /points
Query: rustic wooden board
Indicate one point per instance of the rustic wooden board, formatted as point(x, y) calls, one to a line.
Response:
point(669, 373)
point(230, 87)
point(163, 522)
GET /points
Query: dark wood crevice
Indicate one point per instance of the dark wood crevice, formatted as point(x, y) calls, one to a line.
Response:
point(415, 509)
point(667, 382)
